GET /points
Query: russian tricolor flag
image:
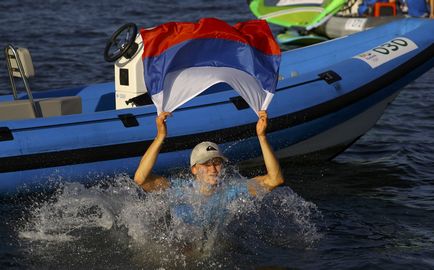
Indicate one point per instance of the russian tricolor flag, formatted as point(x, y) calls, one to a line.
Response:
point(181, 60)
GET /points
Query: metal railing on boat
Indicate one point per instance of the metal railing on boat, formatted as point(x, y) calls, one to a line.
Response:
point(19, 65)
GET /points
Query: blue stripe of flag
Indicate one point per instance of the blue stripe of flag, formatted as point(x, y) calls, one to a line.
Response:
point(212, 53)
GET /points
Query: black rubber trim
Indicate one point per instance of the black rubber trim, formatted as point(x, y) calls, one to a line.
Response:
point(330, 76)
point(141, 100)
point(102, 153)
point(129, 120)
point(5, 134)
point(239, 103)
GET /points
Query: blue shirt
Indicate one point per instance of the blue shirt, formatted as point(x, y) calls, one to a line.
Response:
point(193, 208)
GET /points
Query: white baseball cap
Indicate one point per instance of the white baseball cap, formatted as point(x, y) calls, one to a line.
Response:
point(205, 151)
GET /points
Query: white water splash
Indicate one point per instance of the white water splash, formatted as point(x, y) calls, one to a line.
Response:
point(158, 239)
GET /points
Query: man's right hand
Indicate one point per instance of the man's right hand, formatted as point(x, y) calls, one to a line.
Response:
point(161, 124)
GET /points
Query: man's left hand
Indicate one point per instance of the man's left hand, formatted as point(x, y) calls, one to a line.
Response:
point(261, 126)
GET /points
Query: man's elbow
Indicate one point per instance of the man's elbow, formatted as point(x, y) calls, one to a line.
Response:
point(141, 182)
point(273, 182)
point(139, 179)
point(280, 180)
point(277, 181)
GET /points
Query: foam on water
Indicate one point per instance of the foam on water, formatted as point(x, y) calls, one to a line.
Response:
point(156, 237)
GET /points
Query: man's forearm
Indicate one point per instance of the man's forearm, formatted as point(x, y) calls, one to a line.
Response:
point(148, 161)
point(274, 173)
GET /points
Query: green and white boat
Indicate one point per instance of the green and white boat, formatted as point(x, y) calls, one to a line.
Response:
point(306, 14)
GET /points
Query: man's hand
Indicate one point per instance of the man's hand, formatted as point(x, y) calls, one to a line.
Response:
point(261, 126)
point(161, 124)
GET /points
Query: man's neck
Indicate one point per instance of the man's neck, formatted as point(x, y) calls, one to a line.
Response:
point(206, 189)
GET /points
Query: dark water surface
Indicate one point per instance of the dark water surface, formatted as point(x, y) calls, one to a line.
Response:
point(371, 208)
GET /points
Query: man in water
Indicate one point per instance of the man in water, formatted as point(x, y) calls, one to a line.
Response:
point(206, 162)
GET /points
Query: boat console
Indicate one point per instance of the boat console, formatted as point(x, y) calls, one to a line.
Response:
point(125, 49)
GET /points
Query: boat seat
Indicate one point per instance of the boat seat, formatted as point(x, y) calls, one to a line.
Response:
point(60, 106)
point(16, 110)
point(20, 65)
point(23, 109)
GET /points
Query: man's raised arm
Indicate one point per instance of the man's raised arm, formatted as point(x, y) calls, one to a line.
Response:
point(274, 176)
point(143, 176)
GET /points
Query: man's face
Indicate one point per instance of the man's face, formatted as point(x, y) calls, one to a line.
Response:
point(209, 171)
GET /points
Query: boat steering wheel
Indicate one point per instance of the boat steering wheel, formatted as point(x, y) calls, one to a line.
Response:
point(121, 43)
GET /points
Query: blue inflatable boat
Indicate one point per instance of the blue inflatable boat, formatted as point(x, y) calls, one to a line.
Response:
point(328, 96)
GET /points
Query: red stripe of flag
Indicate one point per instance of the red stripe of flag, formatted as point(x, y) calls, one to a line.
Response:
point(255, 33)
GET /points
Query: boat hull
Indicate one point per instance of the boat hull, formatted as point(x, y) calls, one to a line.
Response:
point(327, 98)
